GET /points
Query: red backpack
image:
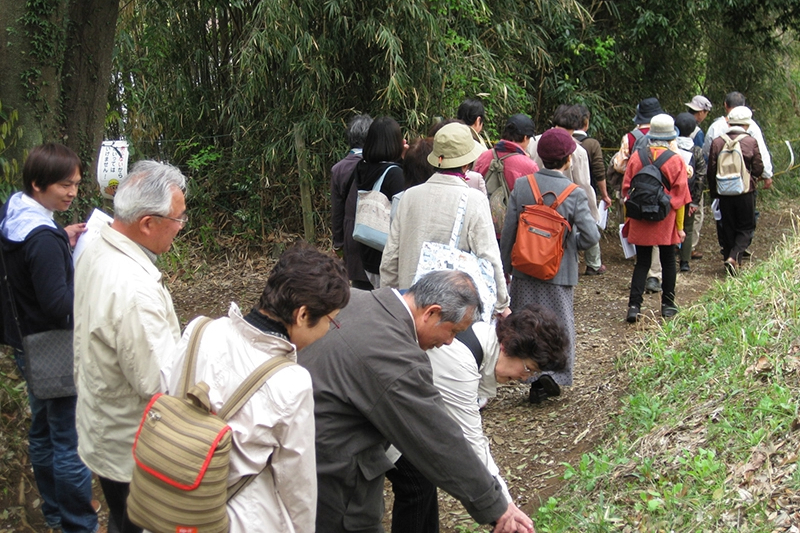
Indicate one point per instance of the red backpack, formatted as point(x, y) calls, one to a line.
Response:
point(541, 232)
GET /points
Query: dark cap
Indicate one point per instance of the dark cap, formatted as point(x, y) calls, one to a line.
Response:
point(555, 144)
point(521, 124)
point(646, 110)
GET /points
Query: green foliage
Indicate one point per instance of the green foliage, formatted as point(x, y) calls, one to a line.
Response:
point(712, 411)
point(10, 133)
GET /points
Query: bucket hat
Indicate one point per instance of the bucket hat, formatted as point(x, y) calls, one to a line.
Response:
point(646, 110)
point(662, 128)
point(453, 147)
point(740, 116)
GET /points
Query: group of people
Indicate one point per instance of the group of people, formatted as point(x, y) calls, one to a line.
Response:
point(392, 367)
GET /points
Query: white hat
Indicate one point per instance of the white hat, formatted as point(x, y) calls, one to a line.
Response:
point(740, 116)
point(662, 128)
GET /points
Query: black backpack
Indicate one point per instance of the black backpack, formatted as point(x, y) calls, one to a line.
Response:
point(647, 199)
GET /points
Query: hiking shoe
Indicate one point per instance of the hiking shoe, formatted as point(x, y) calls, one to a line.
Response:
point(633, 314)
point(652, 285)
point(543, 388)
point(668, 311)
point(595, 271)
point(684, 266)
point(730, 267)
point(697, 255)
point(746, 254)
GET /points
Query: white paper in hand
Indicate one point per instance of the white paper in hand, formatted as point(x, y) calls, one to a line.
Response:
point(93, 226)
point(602, 210)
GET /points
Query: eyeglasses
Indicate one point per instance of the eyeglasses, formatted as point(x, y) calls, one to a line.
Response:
point(182, 220)
point(334, 322)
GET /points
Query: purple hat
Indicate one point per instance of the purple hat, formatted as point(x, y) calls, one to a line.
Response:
point(555, 144)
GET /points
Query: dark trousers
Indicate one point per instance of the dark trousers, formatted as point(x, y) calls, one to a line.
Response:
point(416, 507)
point(686, 245)
point(116, 494)
point(668, 273)
point(735, 230)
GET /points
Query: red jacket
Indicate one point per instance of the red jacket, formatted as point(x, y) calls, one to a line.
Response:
point(514, 167)
point(663, 232)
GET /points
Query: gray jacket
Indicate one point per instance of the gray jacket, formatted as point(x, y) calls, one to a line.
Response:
point(575, 209)
point(373, 385)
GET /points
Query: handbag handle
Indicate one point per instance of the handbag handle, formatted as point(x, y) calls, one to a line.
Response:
point(379, 183)
point(455, 235)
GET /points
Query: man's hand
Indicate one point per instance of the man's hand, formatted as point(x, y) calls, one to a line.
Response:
point(767, 183)
point(514, 521)
point(74, 231)
point(682, 235)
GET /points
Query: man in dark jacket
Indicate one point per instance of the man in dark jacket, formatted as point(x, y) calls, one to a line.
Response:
point(373, 386)
point(735, 229)
point(341, 225)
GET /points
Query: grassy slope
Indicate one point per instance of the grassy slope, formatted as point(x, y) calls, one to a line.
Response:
point(707, 439)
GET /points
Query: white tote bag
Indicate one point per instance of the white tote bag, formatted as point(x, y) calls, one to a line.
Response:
point(373, 212)
point(438, 256)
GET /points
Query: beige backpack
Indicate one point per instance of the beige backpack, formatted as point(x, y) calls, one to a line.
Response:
point(182, 453)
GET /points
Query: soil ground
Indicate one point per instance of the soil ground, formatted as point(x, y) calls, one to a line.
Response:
point(530, 443)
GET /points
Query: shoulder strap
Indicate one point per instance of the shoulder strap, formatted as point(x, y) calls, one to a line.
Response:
point(563, 196)
point(249, 386)
point(537, 195)
point(187, 376)
point(455, 235)
point(665, 156)
point(637, 134)
point(379, 183)
point(470, 340)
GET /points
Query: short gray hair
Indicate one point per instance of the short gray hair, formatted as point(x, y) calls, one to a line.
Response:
point(454, 290)
point(357, 130)
point(147, 190)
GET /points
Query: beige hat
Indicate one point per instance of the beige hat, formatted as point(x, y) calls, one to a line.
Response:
point(662, 128)
point(699, 103)
point(740, 116)
point(453, 147)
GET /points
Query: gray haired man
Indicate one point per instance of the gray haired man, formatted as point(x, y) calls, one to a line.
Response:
point(373, 386)
point(124, 324)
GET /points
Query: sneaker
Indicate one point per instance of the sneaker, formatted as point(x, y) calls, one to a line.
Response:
point(543, 388)
point(595, 271)
point(668, 311)
point(746, 254)
point(697, 255)
point(652, 285)
point(633, 314)
point(730, 267)
point(684, 266)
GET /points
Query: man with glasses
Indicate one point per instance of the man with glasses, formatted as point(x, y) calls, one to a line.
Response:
point(125, 324)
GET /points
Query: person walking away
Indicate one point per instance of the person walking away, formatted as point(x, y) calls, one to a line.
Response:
point(696, 168)
point(555, 148)
point(273, 432)
point(738, 211)
point(342, 226)
point(472, 113)
point(37, 262)
point(125, 325)
point(664, 234)
point(699, 107)
point(384, 147)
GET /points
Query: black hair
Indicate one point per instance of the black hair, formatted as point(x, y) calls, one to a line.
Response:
point(534, 332)
point(567, 117)
point(304, 276)
point(384, 141)
point(551, 165)
point(469, 111)
point(511, 133)
point(584, 113)
point(48, 164)
point(416, 168)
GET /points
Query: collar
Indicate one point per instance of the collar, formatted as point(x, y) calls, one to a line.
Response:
point(268, 342)
point(132, 249)
point(271, 327)
point(33, 204)
point(356, 151)
point(446, 179)
point(150, 255)
point(405, 304)
point(579, 132)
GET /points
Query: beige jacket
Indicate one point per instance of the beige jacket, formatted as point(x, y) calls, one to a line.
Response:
point(427, 212)
point(273, 433)
point(124, 325)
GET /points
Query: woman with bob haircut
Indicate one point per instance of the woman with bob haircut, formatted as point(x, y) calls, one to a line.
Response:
point(273, 433)
point(383, 150)
point(37, 260)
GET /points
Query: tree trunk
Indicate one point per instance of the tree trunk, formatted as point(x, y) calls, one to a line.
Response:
point(56, 63)
point(305, 186)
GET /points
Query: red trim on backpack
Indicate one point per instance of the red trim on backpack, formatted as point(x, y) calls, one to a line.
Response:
point(161, 476)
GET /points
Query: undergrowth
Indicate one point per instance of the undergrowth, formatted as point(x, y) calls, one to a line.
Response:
point(707, 439)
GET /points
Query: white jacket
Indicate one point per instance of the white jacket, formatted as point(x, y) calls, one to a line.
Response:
point(124, 325)
point(456, 375)
point(273, 433)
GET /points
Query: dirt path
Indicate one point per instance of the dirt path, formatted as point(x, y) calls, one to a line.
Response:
point(529, 442)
